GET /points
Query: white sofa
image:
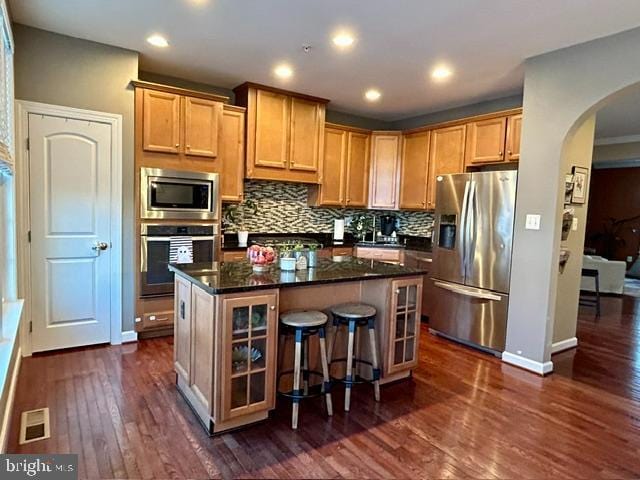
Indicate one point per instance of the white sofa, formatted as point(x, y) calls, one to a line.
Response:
point(611, 274)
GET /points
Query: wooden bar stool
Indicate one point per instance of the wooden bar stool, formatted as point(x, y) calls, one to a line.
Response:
point(355, 315)
point(303, 324)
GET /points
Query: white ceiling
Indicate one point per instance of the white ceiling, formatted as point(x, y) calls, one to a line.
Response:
point(225, 42)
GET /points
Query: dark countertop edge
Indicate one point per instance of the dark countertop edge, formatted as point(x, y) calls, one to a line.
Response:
point(251, 288)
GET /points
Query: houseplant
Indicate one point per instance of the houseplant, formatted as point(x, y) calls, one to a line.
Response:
point(235, 215)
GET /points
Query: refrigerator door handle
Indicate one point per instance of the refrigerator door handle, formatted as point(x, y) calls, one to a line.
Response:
point(469, 228)
point(468, 291)
point(463, 224)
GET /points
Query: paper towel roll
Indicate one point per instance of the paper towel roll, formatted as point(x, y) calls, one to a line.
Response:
point(338, 229)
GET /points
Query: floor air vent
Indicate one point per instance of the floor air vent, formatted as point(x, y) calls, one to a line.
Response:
point(34, 425)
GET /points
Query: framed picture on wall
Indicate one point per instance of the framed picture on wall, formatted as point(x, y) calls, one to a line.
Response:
point(580, 184)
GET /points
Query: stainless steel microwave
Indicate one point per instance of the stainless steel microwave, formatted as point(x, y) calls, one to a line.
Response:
point(178, 195)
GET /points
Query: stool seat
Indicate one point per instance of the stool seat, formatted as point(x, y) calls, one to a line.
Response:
point(353, 310)
point(303, 318)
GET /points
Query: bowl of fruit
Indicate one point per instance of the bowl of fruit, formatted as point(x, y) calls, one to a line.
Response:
point(261, 258)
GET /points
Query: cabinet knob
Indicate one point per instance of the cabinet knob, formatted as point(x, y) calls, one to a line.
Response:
point(177, 145)
point(189, 147)
point(509, 152)
point(272, 307)
point(397, 291)
point(500, 153)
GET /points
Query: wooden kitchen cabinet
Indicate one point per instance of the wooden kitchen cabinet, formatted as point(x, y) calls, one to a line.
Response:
point(345, 169)
point(486, 141)
point(284, 134)
point(201, 126)
point(232, 154)
point(247, 352)
point(404, 328)
point(179, 124)
point(202, 325)
point(446, 155)
point(414, 180)
point(357, 176)
point(161, 123)
point(385, 170)
point(514, 127)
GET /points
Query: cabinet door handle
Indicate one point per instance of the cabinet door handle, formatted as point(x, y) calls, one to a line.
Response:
point(182, 309)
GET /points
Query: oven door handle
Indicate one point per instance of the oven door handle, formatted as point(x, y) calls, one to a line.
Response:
point(168, 239)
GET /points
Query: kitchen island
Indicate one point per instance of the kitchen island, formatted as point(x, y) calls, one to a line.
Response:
point(226, 346)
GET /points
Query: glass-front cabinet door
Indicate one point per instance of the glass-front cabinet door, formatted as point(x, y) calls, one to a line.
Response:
point(404, 334)
point(248, 354)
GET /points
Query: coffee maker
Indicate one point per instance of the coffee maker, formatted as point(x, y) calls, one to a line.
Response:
point(388, 229)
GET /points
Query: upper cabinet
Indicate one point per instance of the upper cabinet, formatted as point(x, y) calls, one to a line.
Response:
point(177, 128)
point(284, 134)
point(514, 126)
point(232, 154)
point(446, 155)
point(485, 141)
point(161, 124)
point(345, 169)
point(201, 126)
point(493, 140)
point(414, 180)
point(385, 170)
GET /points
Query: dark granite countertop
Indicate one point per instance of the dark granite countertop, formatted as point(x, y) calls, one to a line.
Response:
point(232, 277)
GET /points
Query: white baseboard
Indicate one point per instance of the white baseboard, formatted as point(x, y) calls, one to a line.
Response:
point(528, 364)
point(564, 345)
point(6, 420)
point(129, 336)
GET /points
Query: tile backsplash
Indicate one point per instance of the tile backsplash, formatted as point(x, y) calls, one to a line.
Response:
point(282, 208)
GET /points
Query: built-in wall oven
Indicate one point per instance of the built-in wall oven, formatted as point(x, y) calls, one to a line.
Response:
point(155, 246)
point(178, 195)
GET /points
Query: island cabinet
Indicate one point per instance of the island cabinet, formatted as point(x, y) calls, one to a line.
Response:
point(414, 181)
point(247, 354)
point(228, 348)
point(345, 169)
point(386, 148)
point(284, 134)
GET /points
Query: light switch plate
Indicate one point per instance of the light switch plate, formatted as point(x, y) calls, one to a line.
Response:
point(574, 224)
point(532, 222)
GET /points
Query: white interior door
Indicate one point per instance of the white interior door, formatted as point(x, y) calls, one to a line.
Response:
point(70, 185)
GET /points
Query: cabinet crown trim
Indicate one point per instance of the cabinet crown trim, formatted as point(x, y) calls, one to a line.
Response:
point(464, 120)
point(179, 91)
point(257, 86)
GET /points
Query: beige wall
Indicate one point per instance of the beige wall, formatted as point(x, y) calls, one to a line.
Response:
point(61, 70)
point(577, 153)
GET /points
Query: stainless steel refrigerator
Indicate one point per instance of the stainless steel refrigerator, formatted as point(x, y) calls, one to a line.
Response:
point(472, 241)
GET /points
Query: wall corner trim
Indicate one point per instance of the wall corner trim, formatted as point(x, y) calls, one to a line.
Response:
point(564, 345)
point(527, 364)
point(129, 336)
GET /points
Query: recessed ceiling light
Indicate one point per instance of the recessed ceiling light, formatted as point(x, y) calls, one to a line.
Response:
point(158, 41)
point(372, 95)
point(283, 71)
point(343, 40)
point(441, 72)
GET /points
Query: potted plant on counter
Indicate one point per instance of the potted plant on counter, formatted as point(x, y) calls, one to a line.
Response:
point(235, 215)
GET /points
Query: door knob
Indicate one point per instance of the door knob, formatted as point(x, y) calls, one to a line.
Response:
point(100, 246)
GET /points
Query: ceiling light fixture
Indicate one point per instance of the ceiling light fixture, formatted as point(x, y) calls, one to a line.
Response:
point(283, 71)
point(343, 40)
point(372, 95)
point(441, 72)
point(158, 41)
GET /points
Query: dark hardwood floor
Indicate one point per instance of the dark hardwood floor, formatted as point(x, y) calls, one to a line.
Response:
point(464, 414)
